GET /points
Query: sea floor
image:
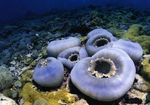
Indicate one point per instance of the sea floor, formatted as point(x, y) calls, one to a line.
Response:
point(24, 43)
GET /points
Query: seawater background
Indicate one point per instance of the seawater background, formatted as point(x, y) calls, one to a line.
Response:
point(12, 10)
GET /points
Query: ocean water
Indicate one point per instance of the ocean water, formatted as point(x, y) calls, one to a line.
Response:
point(28, 26)
point(16, 9)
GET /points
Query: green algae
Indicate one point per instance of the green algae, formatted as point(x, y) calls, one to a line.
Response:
point(26, 76)
point(51, 98)
point(41, 101)
point(83, 39)
point(43, 53)
point(117, 32)
point(134, 30)
point(146, 68)
point(144, 41)
point(136, 33)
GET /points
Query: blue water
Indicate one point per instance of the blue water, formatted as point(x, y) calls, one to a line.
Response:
point(12, 10)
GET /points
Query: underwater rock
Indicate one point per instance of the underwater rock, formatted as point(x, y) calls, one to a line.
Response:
point(141, 84)
point(71, 56)
point(6, 101)
point(49, 72)
point(81, 102)
point(135, 97)
point(57, 46)
point(146, 67)
point(26, 75)
point(100, 32)
point(147, 99)
point(6, 78)
point(133, 49)
point(106, 76)
point(11, 93)
point(98, 40)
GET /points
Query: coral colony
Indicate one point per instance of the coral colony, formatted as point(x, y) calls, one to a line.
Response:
point(103, 68)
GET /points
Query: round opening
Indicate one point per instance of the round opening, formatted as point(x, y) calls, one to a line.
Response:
point(101, 42)
point(73, 57)
point(102, 67)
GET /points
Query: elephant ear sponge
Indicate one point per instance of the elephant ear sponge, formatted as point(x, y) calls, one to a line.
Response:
point(99, 31)
point(71, 56)
point(57, 46)
point(106, 76)
point(133, 49)
point(98, 39)
point(49, 72)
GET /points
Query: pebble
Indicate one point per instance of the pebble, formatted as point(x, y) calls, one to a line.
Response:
point(141, 84)
point(81, 102)
point(6, 101)
point(135, 97)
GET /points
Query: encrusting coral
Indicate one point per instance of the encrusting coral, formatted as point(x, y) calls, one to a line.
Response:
point(146, 67)
point(31, 96)
point(106, 76)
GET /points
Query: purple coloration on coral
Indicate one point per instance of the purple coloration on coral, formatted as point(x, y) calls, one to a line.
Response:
point(98, 40)
point(105, 88)
point(71, 56)
point(100, 32)
point(49, 72)
point(133, 49)
point(55, 47)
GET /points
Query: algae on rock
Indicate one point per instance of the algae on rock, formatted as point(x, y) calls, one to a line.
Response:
point(146, 68)
point(51, 98)
point(6, 78)
point(136, 33)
